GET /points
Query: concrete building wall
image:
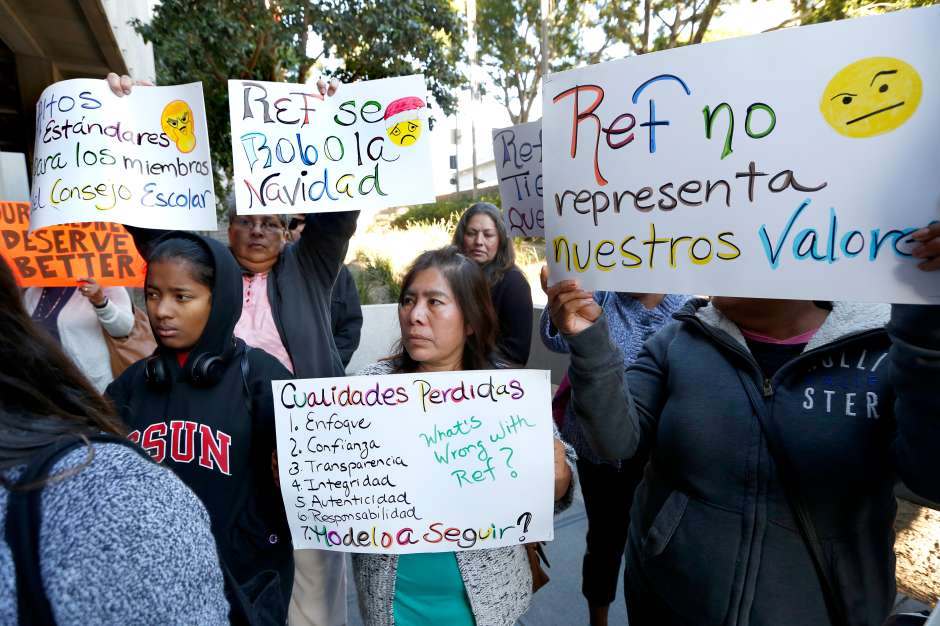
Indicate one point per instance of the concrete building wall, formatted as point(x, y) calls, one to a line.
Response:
point(137, 55)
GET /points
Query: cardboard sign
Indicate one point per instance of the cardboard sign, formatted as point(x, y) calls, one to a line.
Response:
point(59, 255)
point(294, 151)
point(141, 159)
point(518, 153)
point(792, 164)
point(417, 462)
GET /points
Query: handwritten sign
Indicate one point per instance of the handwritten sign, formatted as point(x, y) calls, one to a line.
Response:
point(58, 256)
point(792, 164)
point(518, 154)
point(142, 159)
point(295, 151)
point(435, 462)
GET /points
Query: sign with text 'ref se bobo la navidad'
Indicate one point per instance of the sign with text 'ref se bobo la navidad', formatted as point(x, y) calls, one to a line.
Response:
point(793, 164)
point(142, 159)
point(517, 151)
point(58, 256)
point(416, 462)
point(295, 151)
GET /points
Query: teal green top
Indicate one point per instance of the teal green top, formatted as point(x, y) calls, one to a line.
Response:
point(429, 590)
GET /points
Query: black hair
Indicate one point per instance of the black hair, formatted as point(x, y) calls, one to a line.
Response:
point(505, 258)
point(188, 251)
point(472, 294)
point(43, 395)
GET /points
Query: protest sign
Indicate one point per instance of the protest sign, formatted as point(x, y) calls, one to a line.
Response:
point(518, 153)
point(294, 151)
point(141, 159)
point(58, 256)
point(436, 462)
point(792, 164)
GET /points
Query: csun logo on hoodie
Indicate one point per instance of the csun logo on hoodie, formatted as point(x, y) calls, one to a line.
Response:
point(180, 437)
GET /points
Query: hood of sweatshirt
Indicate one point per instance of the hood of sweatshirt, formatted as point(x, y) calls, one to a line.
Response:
point(846, 318)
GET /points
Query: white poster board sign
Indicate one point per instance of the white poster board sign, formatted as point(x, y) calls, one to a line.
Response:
point(294, 151)
point(141, 159)
point(518, 153)
point(404, 463)
point(792, 164)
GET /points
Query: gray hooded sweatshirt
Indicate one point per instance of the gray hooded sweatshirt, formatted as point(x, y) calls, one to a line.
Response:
point(712, 538)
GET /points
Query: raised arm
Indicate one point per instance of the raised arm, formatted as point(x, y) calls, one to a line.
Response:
point(323, 243)
point(617, 410)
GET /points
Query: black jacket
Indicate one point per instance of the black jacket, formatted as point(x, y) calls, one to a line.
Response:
point(512, 299)
point(346, 315)
point(299, 293)
point(712, 538)
point(218, 436)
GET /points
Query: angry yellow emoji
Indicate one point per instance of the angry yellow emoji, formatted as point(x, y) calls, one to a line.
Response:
point(871, 96)
point(177, 122)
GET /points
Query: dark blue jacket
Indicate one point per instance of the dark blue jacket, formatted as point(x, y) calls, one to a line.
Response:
point(712, 538)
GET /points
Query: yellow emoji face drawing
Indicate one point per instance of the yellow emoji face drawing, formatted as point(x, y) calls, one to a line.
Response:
point(403, 120)
point(871, 96)
point(177, 122)
point(405, 133)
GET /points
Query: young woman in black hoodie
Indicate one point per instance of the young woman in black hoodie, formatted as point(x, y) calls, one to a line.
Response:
point(202, 405)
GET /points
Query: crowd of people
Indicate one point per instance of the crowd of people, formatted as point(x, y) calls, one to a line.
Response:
point(737, 456)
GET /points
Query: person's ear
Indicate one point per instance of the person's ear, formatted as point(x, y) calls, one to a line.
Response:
point(468, 329)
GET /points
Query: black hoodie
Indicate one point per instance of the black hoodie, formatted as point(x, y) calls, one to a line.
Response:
point(218, 436)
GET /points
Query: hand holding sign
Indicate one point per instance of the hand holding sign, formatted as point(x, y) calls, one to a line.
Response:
point(928, 247)
point(571, 308)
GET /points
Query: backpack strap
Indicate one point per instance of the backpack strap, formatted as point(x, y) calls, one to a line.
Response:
point(24, 515)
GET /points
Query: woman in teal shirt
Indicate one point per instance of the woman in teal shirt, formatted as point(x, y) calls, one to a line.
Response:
point(448, 324)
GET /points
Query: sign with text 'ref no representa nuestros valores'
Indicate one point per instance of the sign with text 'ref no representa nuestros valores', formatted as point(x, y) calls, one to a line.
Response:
point(142, 159)
point(792, 164)
point(416, 462)
point(294, 151)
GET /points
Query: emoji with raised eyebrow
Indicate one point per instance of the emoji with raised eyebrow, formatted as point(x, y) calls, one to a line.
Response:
point(177, 122)
point(871, 97)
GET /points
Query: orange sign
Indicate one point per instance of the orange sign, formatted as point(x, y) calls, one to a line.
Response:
point(59, 255)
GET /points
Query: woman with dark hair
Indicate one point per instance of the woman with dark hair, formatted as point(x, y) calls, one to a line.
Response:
point(202, 405)
point(160, 558)
point(776, 432)
point(482, 236)
point(447, 324)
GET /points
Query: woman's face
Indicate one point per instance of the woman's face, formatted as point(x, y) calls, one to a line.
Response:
point(178, 306)
point(481, 239)
point(432, 325)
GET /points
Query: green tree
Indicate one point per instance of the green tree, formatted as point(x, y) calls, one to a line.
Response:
point(650, 25)
point(509, 44)
point(212, 41)
point(815, 11)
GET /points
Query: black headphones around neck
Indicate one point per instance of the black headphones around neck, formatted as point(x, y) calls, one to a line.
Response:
point(205, 370)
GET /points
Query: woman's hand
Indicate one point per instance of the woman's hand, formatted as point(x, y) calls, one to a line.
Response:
point(928, 248)
point(571, 308)
point(90, 288)
point(327, 88)
point(562, 471)
point(122, 85)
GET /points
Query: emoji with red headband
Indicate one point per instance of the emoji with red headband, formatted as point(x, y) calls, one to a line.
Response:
point(403, 120)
